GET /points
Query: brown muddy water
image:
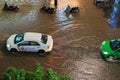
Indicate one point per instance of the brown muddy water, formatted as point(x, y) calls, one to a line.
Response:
point(77, 40)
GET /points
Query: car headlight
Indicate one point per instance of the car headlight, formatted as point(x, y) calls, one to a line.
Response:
point(8, 45)
point(106, 53)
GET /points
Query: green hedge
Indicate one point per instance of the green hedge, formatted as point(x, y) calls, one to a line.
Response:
point(37, 74)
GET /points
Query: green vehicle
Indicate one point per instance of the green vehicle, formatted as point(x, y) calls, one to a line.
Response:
point(110, 50)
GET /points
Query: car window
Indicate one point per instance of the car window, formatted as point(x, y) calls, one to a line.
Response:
point(115, 44)
point(25, 43)
point(32, 43)
point(44, 38)
point(18, 38)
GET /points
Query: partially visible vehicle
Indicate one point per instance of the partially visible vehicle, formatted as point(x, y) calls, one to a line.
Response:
point(48, 9)
point(110, 50)
point(75, 9)
point(30, 42)
point(49, 6)
point(10, 7)
point(103, 3)
point(72, 9)
point(99, 3)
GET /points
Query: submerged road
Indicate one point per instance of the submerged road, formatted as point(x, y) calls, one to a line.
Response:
point(77, 40)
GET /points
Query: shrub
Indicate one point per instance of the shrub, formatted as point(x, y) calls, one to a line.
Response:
point(37, 74)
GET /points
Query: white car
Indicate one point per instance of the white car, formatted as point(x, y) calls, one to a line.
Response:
point(30, 42)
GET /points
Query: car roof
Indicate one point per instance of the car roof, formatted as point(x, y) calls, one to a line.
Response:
point(32, 36)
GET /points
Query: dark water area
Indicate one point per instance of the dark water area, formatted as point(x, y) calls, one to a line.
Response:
point(77, 40)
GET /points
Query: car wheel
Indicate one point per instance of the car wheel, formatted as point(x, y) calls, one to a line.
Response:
point(13, 51)
point(111, 59)
point(42, 53)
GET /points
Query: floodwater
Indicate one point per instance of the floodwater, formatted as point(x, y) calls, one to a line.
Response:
point(77, 40)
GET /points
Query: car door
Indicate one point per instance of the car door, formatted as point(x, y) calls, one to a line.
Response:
point(24, 46)
point(34, 46)
point(117, 53)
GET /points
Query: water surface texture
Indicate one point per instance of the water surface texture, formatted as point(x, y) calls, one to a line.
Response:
point(77, 39)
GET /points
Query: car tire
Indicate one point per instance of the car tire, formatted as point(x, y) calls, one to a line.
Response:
point(42, 53)
point(13, 51)
point(111, 59)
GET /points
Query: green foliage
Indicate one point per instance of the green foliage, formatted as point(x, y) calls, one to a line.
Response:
point(30, 76)
point(14, 74)
point(52, 75)
point(7, 76)
point(37, 74)
point(65, 78)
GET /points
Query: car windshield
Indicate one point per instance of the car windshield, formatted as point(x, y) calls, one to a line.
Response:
point(44, 38)
point(115, 44)
point(18, 38)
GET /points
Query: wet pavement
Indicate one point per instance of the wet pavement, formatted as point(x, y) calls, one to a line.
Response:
point(77, 40)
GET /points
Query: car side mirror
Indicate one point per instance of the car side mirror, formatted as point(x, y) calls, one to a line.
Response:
point(19, 44)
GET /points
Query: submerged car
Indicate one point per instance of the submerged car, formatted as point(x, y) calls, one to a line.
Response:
point(72, 9)
point(103, 3)
point(49, 6)
point(75, 9)
point(30, 42)
point(10, 7)
point(99, 3)
point(48, 9)
point(110, 50)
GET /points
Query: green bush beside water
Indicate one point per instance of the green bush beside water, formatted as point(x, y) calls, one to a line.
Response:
point(37, 74)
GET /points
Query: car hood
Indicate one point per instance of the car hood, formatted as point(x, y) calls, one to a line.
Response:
point(10, 40)
point(105, 46)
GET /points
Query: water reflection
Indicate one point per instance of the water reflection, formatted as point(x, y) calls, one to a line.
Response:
point(31, 15)
point(113, 19)
point(64, 19)
point(60, 15)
